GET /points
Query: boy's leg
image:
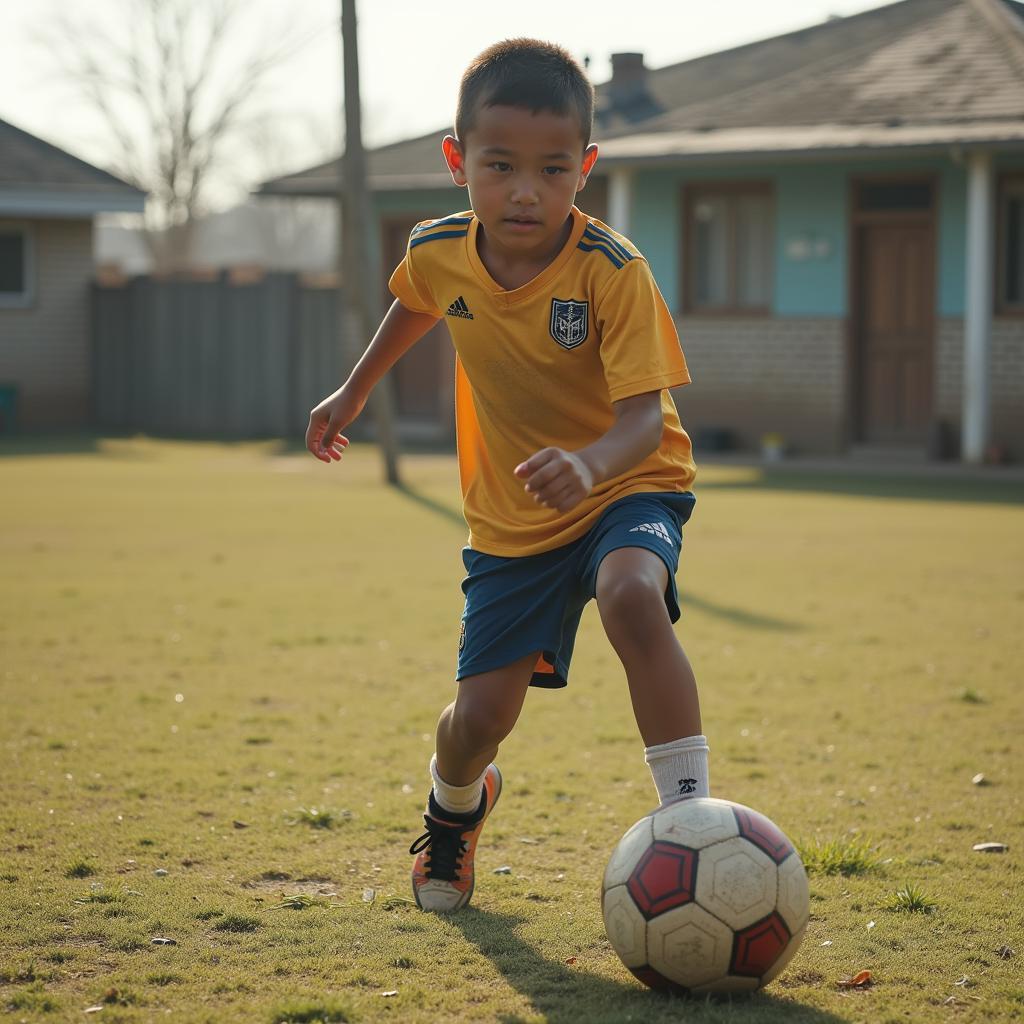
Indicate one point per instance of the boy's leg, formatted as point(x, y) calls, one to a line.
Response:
point(485, 709)
point(466, 783)
point(630, 590)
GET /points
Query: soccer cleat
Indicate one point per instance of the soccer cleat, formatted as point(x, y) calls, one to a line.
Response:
point(442, 876)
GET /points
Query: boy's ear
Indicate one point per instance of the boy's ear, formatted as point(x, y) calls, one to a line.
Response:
point(454, 158)
point(589, 159)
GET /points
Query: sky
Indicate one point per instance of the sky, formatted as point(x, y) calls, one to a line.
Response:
point(412, 53)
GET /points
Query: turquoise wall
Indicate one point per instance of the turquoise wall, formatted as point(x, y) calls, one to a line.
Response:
point(811, 203)
point(437, 202)
point(952, 239)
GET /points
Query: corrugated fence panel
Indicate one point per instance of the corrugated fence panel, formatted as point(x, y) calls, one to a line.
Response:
point(318, 357)
point(214, 357)
point(111, 358)
point(140, 343)
point(278, 303)
point(239, 341)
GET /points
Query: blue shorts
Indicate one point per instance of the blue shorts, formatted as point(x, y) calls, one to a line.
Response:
point(515, 606)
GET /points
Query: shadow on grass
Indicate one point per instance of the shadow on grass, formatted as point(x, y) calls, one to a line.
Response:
point(567, 995)
point(737, 616)
point(971, 490)
point(439, 508)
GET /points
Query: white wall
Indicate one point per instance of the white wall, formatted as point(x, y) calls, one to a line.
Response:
point(44, 348)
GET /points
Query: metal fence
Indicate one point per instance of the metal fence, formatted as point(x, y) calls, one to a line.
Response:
point(232, 355)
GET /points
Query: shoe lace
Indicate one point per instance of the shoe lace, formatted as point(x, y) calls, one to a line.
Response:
point(446, 847)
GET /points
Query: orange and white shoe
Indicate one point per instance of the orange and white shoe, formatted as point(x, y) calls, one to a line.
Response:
point(442, 876)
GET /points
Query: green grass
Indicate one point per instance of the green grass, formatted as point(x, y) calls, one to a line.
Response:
point(318, 817)
point(971, 696)
point(200, 639)
point(852, 856)
point(79, 869)
point(910, 900)
point(309, 1012)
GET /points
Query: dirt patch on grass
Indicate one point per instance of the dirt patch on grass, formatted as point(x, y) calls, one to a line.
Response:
point(282, 882)
point(794, 979)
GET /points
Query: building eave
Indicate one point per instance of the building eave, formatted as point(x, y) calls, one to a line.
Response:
point(806, 142)
point(35, 201)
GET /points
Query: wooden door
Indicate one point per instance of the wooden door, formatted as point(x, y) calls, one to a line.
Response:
point(424, 378)
point(893, 304)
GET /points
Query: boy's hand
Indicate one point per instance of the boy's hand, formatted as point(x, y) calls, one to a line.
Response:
point(335, 412)
point(556, 478)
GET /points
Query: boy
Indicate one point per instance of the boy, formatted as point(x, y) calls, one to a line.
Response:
point(575, 470)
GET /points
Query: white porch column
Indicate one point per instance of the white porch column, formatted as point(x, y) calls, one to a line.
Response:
point(977, 413)
point(620, 199)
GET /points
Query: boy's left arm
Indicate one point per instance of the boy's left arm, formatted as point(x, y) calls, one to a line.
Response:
point(561, 480)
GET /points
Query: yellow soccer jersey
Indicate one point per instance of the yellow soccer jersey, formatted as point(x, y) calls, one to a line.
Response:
point(541, 365)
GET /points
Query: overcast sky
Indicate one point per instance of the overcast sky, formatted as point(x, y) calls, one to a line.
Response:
point(412, 54)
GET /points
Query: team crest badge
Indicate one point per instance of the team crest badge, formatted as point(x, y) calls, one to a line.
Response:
point(569, 322)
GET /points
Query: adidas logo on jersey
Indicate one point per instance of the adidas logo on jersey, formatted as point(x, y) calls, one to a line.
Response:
point(658, 529)
point(459, 308)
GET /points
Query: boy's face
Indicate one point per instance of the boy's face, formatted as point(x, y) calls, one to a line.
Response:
point(523, 171)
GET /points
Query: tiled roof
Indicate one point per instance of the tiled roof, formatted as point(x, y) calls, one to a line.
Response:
point(28, 161)
point(913, 63)
point(951, 65)
point(728, 72)
point(411, 163)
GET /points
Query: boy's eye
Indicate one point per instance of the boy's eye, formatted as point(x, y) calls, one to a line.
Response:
point(554, 170)
point(500, 165)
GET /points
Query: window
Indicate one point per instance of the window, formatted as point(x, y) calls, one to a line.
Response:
point(15, 266)
point(730, 239)
point(1010, 263)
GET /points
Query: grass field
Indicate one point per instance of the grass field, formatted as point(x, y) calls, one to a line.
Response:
point(221, 668)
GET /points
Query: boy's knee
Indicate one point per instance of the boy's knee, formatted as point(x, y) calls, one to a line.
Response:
point(621, 593)
point(631, 601)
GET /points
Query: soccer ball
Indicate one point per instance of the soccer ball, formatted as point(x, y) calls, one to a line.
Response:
point(705, 895)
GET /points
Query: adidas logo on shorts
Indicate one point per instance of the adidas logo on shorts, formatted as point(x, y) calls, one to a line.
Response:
point(658, 529)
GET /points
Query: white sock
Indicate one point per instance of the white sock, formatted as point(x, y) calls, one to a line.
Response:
point(457, 799)
point(680, 768)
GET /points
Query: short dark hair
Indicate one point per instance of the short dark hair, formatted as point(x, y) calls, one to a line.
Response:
point(529, 74)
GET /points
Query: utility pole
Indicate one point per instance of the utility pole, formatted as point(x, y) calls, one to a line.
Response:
point(360, 273)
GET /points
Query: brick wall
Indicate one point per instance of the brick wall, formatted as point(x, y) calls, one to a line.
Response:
point(1007, 380)
point(773, 374)
point(44, 349)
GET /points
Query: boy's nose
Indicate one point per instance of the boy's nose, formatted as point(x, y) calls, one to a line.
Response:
point(524, 192)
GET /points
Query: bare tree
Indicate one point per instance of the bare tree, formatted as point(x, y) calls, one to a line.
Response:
point(301, 232)
point(173, 95)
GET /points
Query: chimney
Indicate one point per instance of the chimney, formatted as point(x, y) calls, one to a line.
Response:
point(629, 78)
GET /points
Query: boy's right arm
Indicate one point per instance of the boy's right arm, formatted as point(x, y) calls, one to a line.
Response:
point(400, 329)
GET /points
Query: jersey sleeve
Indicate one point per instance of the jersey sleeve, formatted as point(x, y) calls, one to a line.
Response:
point(411, 286)
point(639, 345)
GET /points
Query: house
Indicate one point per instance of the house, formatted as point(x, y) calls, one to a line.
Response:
point(48, 199)
point(835, 215)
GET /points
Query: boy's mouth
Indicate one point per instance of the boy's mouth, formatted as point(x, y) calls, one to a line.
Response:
point(522, 222)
